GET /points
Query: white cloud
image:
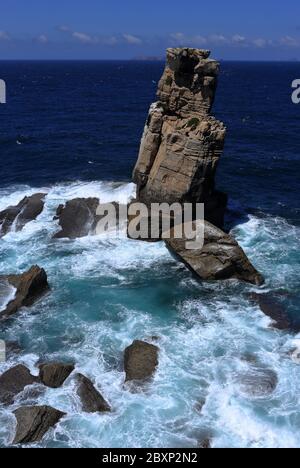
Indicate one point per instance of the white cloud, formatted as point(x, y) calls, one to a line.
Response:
point(4, 36)
point(237, 39)
point(63, 28)
point(260, 43)
point(218, 39)
point(82, 37)
point(130, 39)
point(111, 41)
point(42, 39)
point(289, 41)
point(181, 39)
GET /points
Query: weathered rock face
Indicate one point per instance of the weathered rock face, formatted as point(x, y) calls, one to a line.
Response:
point(13, 382)
point(77, 218)
point(30, 286)
point(258, 382)
point(271, 306)
point(220, 258)
point(17, 216)
point(181, 145)
point(54, 374)
point(92, 401)
point(33, 422)
point(80, 217)
point(140, 361)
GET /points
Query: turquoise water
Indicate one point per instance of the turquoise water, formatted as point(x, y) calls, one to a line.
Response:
point(106, 292)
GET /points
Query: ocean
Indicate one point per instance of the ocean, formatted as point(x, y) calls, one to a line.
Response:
point(72, 129)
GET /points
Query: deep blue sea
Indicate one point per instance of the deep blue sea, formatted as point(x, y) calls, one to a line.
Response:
point(73, 129)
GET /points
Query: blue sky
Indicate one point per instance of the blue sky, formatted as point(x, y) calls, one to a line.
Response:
point(98, 29)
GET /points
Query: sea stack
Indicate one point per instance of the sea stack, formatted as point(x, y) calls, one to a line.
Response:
point(179, 155)
point(182, 144)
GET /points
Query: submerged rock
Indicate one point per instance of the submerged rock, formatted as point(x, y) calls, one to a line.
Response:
point(54, 374)
point(258, 382)
point(16, 217)
point(271, 306)
point(182, 144)
point(33, 422)
point(77, 218)
point(140, 361)
point(30, 286)
point(13, 382)
point(92, 401)
point(205, 444)
point(220, 258)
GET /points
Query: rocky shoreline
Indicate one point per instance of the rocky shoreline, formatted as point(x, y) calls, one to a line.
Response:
point(179, 154)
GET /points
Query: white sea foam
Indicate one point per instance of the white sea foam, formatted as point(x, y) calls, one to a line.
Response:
point(108, 292)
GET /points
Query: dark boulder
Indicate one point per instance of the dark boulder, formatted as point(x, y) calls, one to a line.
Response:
point(205, 444)
point(13, 382)
point(220, 258)
point(258, 382)
point(92, 401)
point(77, 218)
point(271, 305)
point(54, 374)
point(18, 216)
point(140, 361)
point(30, 286)
point(33, 422)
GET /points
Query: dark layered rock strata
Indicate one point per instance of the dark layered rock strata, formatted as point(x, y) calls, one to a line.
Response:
point(220, 258)
point(54, 374)
point(16, 217)
point(33, 422)
point(182, 144)
point(13, 382)
point(92, 400)
point(140, 361)
point(77, 218)
point(30, 286)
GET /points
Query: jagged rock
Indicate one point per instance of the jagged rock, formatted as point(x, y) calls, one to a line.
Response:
point(92, 401)
point(30, 286)
point(205, 444)
point(77, 218)
point(80, 217)
point(181, 145)
point(12, 348)
point(258, 382)
point(13, 382)
point(140, 361)
point(18, 216)
point(54, 374)
point(220, 258)
point(33, 422)
point(271, 306)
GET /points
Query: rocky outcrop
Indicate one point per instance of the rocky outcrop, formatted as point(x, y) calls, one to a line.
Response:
point(29, 286)
point(92, 401)
point(16, 217)
point(13, 382)
point(220, 258)
point(182, 144)
point(33, 422)
point(54, 374)
point(270, 304)
point(140, 361)
point(77, 218)
point(258, 382)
